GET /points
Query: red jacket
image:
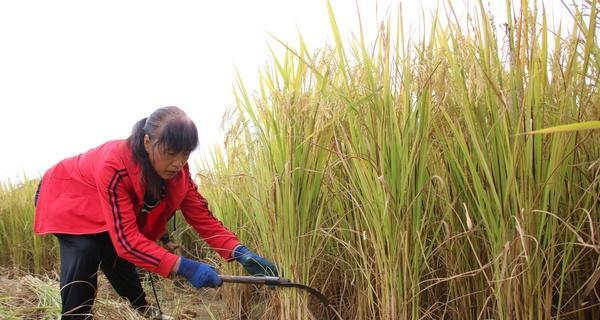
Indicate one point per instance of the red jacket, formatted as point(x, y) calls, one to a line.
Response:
point(101, 190)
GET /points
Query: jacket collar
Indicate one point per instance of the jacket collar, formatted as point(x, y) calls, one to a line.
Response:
point(174, 185)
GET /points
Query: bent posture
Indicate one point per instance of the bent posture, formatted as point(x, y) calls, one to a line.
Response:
point(109, 206)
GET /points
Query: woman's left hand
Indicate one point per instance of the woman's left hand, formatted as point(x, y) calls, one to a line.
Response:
point(253, 263)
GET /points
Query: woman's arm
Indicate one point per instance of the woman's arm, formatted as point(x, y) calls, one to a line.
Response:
point(176, 266)
point(196, 212)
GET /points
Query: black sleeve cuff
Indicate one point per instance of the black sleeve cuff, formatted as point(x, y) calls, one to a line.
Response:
point(165, 238)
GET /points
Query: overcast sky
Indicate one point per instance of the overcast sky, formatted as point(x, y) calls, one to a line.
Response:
point(74, 74)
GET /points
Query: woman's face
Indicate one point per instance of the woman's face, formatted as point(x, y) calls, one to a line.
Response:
point(166, 163)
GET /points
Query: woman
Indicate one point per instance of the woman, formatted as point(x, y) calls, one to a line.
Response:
point(109, 206)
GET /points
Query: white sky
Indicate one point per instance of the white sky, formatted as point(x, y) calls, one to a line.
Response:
point(76, 73)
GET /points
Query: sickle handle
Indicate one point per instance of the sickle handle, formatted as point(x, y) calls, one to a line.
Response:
point(255, 280)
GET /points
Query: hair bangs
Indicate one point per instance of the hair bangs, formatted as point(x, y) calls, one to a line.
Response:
point(179, 136)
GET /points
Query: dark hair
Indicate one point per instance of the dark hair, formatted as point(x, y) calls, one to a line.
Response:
point(171, 130)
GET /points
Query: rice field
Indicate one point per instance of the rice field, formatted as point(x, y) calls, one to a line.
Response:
point(402, 178)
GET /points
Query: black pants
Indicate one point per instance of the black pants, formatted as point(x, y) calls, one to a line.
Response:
point(80, 256)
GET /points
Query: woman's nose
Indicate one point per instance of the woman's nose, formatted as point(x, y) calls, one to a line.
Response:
point(177, 163)
point(180, 161)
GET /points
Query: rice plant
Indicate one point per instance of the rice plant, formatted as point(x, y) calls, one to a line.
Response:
point(19, 246)
point(399, 178)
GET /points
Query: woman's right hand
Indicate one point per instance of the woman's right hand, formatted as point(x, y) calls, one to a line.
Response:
point(199, 274)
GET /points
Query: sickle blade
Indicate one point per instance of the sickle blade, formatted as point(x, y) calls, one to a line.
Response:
point(281, 282)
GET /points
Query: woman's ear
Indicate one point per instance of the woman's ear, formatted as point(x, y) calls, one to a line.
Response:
point(147, 143)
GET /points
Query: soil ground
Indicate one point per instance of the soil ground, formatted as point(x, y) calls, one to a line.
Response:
point(25, 296)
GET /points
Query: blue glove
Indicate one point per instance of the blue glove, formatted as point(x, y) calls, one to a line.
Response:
point(253, 263)
point(199, 274)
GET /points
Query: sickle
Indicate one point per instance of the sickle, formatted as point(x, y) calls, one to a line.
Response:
point(281, 282)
